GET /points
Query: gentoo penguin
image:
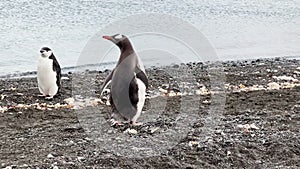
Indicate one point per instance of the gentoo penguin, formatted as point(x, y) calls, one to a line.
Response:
point(48, 74)
point(128, 83)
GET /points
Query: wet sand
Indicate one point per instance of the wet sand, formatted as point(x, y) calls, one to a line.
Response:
point(239, 114)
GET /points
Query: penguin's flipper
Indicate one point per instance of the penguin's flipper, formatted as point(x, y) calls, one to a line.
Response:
point(56, 68)
point(107, 82)
point(140, 74)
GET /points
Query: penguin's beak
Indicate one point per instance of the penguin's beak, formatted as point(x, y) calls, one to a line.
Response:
point(107, 37)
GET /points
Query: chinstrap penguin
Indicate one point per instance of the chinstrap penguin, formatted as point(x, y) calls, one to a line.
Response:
point(128, 83)
point(48, 74)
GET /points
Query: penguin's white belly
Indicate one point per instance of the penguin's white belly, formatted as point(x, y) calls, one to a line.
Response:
point(141, 96)
point(46, 77)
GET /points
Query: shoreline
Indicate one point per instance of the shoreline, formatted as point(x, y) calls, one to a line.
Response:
point(95, 67)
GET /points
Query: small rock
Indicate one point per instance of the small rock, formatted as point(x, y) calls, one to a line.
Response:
point(50, 156)
point(95, 102)
point(218, 131)
point(24, 165)
point(248, 126)
point(277, 59)
point(70, 101)
point(242, 126)
point(154, 129)
point(273, 86)
point(65, 78)
point(253, 126)
point(2, 96)
point(130, 131)
point(286, 78)
point(10, 167)
point(3, 109)
point(274, 71)
point(258, 162)
point(175, 66)
point(241, 86)
point(203, 91)
point(88, 139)
point(57, 105)
point(107, 103)
point(206, 102)
point(297, 72)
point(80, 158)
point(12, 88)
point(193, 143)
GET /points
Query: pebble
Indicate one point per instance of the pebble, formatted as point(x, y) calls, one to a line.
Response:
point(206, 102)
point(88, 139)
point(80, 158)
point(3, 109)
point(10, 167)
point(50, 156)
point(70, 101)
point(130, 131)
point(54, 166)
point(203, 91)
point(286, 78)
point(273, 86)
point(253, 126)
point(218, 131)
point(193, 143)
point(297, 72)
point(154, 129)
point(3, 96)
point(241, 86)
point(24, 165)
point(248, 126)
point(95, 102)
point(12, 89)
point(65, 78)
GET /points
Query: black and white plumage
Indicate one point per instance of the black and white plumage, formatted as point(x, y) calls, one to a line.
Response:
point(128, 83)
point(48, 74)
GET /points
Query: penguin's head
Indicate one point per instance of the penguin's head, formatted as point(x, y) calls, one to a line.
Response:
point(46, 52)
point(118, 39)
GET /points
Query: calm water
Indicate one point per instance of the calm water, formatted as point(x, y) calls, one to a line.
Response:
point(237, 29)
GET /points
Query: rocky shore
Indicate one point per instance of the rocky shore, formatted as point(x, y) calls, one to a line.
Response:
point(235, 114)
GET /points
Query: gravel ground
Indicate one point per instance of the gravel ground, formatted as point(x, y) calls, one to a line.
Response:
point(241, 114)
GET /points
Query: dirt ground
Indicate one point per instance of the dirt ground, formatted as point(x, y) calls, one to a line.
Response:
point(242, 114)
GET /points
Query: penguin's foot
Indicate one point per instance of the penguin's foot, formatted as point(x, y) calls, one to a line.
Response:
point(41, 95)
point(115, 122)
point(133, 123)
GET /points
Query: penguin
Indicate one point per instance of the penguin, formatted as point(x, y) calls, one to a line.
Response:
point(48, 74)
point(129, 83)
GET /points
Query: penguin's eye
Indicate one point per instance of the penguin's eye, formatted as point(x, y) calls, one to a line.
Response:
point(118, 36)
